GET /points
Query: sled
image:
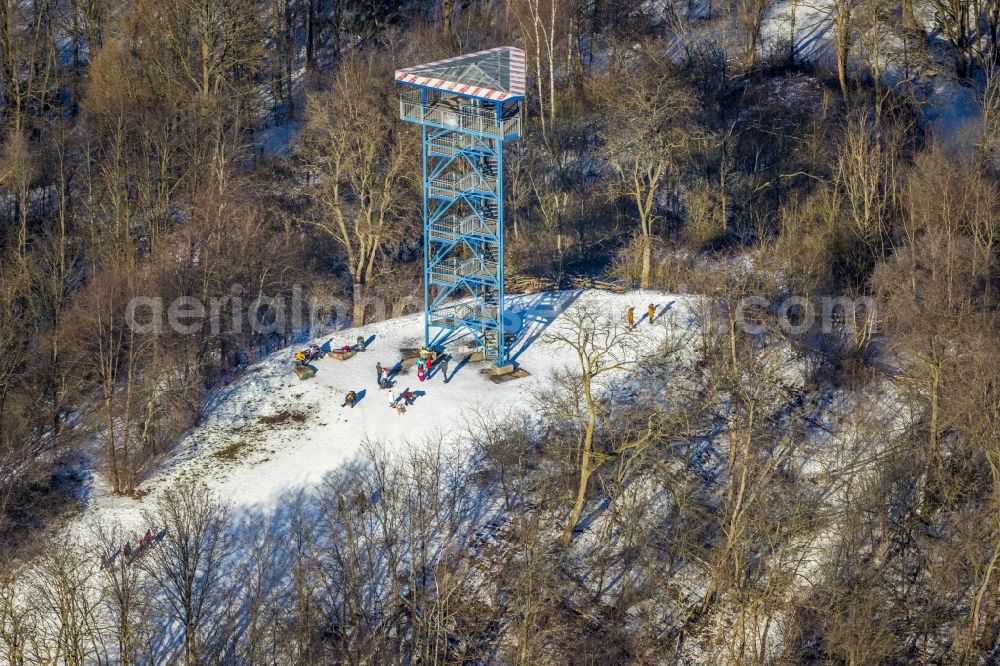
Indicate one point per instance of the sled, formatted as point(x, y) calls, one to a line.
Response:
point(304, 372)
point(343, 355)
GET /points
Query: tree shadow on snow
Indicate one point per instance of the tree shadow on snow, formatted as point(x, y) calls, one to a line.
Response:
point(531, 315)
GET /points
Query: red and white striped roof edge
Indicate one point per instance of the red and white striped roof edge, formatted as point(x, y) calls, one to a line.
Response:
point(516, 76)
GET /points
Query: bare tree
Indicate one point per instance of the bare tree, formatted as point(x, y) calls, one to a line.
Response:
point(843, 30)
point(542, 26)
point(28, 61)
point(112, 355)
point(360, 156)
point(122, 593)
point(649, 127)
point(253, 622)
point(867, 174)
point(19, 615)
point(750, 15)
point(63, 578)
point(202, 45)
point(17, 173)
point(958, 20)
point(602, 346)
point(188, 565)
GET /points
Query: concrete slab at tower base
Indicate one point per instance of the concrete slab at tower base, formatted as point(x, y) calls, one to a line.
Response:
point(505, 373)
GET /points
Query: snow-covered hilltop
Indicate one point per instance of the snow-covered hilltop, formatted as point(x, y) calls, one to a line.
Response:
point(270, 433)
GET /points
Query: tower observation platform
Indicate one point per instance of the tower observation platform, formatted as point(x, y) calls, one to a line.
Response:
point(467, 107)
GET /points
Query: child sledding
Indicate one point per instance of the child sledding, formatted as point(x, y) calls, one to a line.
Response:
point(344, 353)
point(303, 358)
point(309, 354)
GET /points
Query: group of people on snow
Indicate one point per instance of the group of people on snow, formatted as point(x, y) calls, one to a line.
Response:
point(128, 551)
point(400, 403)
point(630, 315)
point(309, 354)
point(425, 364)
point(313, 351)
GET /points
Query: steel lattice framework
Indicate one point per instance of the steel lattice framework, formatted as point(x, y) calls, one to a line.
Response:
point(466, 107)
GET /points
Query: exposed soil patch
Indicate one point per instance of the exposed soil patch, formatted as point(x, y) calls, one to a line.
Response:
point(283, 417)
point(230, 452)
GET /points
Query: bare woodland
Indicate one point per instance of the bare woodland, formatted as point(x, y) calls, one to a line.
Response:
point(179, 148)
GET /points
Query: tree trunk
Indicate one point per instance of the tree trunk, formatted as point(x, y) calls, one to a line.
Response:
point(842, 64)
point(792, 12)
point(112, 453)
point(310, 34)
point(646, 261)
point(447, 9)
point(935, 443)
point(581, 494)
point(962, 57)
point(358, 318)
point(842, 27)
point(978, 601)
point(586, 466)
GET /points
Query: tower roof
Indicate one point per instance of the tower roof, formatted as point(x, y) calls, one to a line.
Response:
point(495, 74)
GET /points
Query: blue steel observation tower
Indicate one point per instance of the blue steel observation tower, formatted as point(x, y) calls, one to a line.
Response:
point(466, 108)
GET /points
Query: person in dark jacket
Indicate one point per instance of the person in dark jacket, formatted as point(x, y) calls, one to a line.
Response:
point(444, 368)
point(378, 373)
point(350, 399)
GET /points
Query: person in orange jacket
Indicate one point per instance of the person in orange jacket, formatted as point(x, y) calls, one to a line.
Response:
point(350, 399)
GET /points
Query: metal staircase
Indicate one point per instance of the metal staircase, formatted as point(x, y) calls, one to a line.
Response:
point(466, 107)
